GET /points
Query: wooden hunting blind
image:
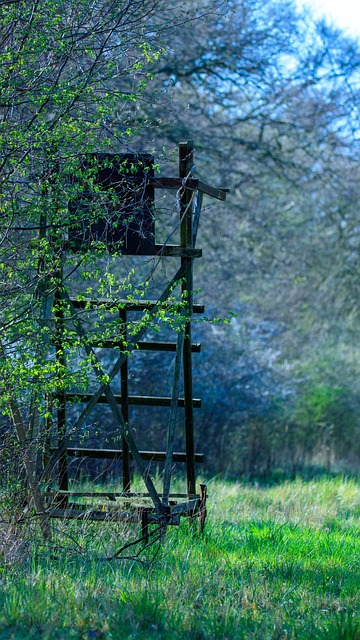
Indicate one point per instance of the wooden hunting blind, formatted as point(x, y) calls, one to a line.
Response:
point(120, 210)
point(121, 188)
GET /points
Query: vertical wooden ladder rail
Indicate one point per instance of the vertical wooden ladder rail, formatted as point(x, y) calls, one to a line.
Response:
point(186, 161)
point(124, 392)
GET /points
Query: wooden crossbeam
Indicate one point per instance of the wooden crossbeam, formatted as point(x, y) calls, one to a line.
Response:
point(75, 511)
point(135, 305)
point(142, 345)
point(93, 515)
point(176, 251)
point(186, 508)
point(111, 495)
point(193, 184)
point(165, 346)
point(117, 454)
point(138, 401)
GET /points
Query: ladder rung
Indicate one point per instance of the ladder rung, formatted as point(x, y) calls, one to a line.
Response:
point(142, 345)
point(144, 401)
point(112, 495)
point(176, 251)
point(135, 305)
point(90, 514)
point(116, 454)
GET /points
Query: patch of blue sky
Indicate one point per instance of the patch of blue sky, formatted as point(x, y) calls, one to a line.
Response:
point(345, 14)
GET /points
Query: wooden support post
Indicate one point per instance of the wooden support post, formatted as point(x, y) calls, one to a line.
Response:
point(186, 240)
point(125, 407)
point(202, 508)
point(196, 217)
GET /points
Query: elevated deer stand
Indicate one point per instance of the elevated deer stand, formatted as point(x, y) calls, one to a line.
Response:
point(137, 238)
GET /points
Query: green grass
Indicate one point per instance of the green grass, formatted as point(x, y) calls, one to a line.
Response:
point(274, 563)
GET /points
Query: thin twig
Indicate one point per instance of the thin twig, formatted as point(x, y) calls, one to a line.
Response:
point(134, 542)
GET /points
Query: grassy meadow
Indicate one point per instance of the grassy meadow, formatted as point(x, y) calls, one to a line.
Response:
point(274, 563)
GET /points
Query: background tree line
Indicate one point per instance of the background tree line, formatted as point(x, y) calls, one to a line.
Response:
point(271, 97)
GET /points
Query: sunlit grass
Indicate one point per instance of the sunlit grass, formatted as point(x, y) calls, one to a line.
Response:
point(275, 562)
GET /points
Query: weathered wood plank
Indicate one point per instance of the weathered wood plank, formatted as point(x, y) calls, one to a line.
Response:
point(138, 401)
point(191, 183)
point(143, 345)
point(166, 346)
point(110, 516)
point(176, 251)
point(116, 454)
point(126, 495)
point(186, 161)
point(136, 305)
point(219, 194)
point(188, 507)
